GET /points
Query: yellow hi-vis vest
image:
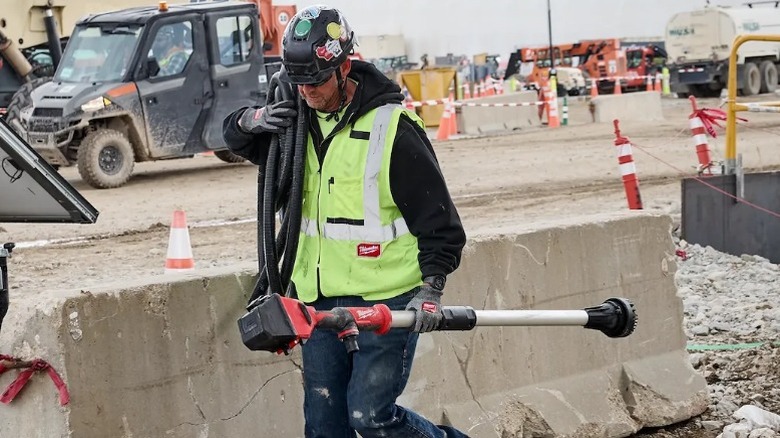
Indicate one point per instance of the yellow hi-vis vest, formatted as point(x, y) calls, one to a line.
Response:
point(354, 240)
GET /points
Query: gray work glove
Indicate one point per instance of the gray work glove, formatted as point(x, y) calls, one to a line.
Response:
point(427, 305)
point(274, 118)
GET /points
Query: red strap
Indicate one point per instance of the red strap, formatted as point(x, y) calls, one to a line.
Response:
point(16, 386)
point(63, 390)
point(710, 117)
point(21, 380)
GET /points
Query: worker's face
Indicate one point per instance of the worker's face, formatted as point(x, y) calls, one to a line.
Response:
point(325, 96)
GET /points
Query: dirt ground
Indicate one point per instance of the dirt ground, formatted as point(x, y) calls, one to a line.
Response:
point(500, 183)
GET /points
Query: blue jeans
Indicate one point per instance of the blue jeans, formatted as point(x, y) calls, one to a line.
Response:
point(344, 395)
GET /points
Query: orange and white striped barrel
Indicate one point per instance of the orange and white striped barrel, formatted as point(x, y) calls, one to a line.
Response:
point(699, 133)
point(627, 170)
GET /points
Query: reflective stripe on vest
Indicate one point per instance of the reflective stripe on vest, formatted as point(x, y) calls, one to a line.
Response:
point(372, 229)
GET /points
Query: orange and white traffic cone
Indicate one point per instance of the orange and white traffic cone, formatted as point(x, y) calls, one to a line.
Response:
point(594, 88)
point(179, 258)
point(467, 90)
point(649, 86)
point(657, 82)
point(453, 117)
point(490, 90)
point(627, 169)
point(617, 87)
point(443, 133)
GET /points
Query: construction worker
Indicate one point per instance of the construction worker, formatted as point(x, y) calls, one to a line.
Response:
point(355, 109)
point(169, 51)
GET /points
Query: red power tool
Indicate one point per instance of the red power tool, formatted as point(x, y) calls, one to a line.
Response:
point(275, 323)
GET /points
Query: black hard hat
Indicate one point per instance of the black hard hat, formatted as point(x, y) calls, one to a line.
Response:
point(316, 41)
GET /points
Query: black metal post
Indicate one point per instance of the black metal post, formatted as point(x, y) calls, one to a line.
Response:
point(53, 38)
point(5, 252)
point(549, 33)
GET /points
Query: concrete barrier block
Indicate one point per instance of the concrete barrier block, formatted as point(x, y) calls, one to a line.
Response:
point(166, 359)
point(644, 105)
point(481, 120)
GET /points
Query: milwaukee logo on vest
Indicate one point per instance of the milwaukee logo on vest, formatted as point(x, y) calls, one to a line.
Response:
point(368, 250)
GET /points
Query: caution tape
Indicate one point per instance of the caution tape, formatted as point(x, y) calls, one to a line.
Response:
point(434, 102)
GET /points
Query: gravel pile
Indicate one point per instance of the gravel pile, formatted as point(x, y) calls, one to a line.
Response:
point(732, 320)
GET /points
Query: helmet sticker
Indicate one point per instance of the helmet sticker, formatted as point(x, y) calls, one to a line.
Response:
point(331, 49)
point(334, 30)
point(343, 36)
point(303, 28)
point(311, 13)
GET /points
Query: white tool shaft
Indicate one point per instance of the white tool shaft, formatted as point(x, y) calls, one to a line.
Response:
point(487, 318)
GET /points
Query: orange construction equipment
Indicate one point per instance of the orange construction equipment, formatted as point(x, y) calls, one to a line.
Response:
point(603, 59)
point(179, 258)
point(627, 169)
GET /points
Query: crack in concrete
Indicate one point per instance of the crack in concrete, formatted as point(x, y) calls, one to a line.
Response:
point(203, 416)
point(194, 399)
point(464, 363)
point(251, 399)
point(91, 323)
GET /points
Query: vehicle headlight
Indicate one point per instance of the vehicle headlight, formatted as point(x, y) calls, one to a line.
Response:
point(93, 105)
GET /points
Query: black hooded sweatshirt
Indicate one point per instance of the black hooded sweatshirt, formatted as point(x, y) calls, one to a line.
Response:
point(416, 182)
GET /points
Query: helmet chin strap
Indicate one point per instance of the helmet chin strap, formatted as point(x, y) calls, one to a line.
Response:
point(342, 96)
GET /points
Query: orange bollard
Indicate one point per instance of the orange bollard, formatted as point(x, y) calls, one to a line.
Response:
point(627, 169)
point(594, 88)
point(699, 133)
point(551, 97)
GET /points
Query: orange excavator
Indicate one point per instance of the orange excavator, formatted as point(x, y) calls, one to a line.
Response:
point(603, 60)
point(273, 20)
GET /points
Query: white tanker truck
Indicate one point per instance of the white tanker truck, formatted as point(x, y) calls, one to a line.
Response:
point(699, 44)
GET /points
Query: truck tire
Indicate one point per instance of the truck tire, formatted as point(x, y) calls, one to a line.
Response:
point(20, 101)
point(228, 157)
point(751, 80)
point(768, 71)
point(105, 159)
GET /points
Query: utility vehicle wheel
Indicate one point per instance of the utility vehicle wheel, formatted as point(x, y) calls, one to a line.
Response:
point(228, 157)
point(105, 159)
point(768, 72)
point(20, 101)
point(751, 80)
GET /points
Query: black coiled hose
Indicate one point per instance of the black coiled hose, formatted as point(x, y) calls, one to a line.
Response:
point(280, 188)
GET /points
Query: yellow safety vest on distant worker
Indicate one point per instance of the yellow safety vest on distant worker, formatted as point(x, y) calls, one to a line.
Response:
point(351, 227)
